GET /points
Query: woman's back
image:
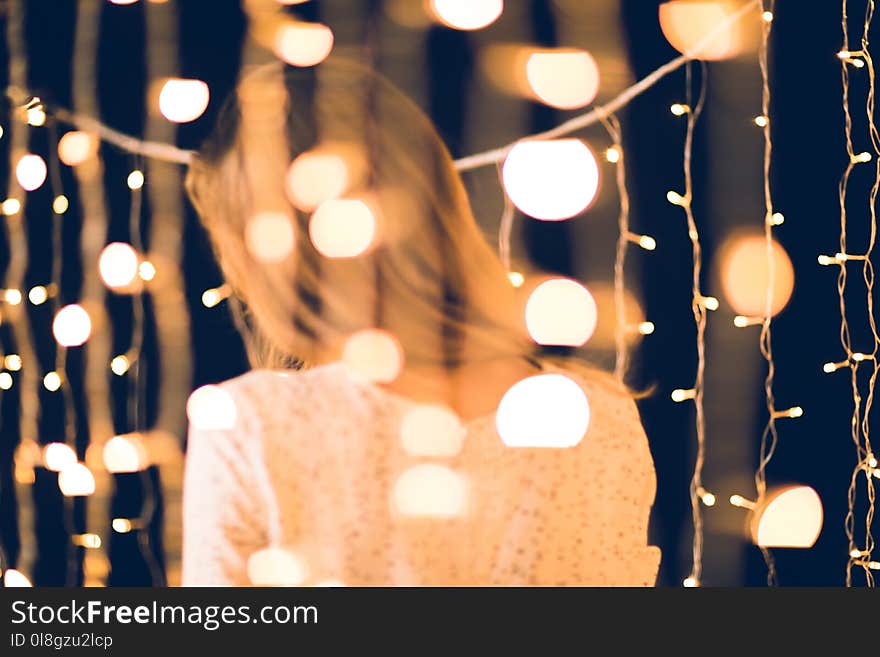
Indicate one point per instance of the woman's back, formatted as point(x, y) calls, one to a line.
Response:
point(315, 481)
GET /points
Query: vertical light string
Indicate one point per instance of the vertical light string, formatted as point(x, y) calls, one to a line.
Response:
point(505, 227)
point(700, 305)
point(859, 556)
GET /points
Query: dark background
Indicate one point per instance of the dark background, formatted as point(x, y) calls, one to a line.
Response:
point(807, 125)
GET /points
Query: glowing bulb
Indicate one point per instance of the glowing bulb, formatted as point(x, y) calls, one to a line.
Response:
point(646, 328)
point(135, 179)
point(57, 456)
point(676, 199)
point(690, 582)
point(741, 502)
point(561, 312)
point(861, 158)
point(429, 430)
point(551, 179)
point(121, 525)
point(777, 219)
point(211, 408)
point(374, 355)
point(76, 147)
point(147, 270)
point(430, 490)
point(212, 297)
point(342, 228)
point(315, 177)
point(38, 294)
point(52, 381)
point(767, 16)
point(72, 326)
point(709, 303)
point(125, 453)
point(123, 2)
point(182, 101)
point(791, 517)
point(90, 541)
point(275, 566)
point(11, 206)
point(269, 236)
point(6, 381)
point(546, 410)
point(303, 44)
point(516, 279)
point(119, 365)
point(12, 297)
point(612, 154)
point(118, 265)
point(60, 204)
point(76, 480)
point(467, 14)
point(566, 80)
point(30, 172)
point(679, 395)
point(36, 116)
point(678, 109)
point(13, 578)
point(648, 243)
point(708, 499)
point(12, 362)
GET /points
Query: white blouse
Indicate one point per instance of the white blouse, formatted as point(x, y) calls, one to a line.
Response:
point(305, 489)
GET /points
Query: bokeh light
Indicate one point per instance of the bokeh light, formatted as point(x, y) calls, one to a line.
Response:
point(72, 326)
point(790, 517)
point(57, 456)
point(605, 335)
point(431, 430)
point(274, 566)
point(563, 79)
point(545, 410)
point(52, 381)
point(118, 265)
point(561, 312)
point(182, 101)
point(303, 44)
point(76, 480)
point(211, 408)
point(269, 236)
point(13, 578)
point(76, 146)
point(686, 23)
point(745, 275)
point(551, 179)
point(125, 453)
point(373, 355)
point(342, 228)
point(466, 14)
point(30, 172)
point(430, 490)
point(315, 177)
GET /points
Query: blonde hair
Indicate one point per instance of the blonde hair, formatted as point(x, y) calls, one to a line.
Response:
point(430, 278)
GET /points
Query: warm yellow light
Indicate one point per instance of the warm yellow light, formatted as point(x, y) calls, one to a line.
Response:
point(11, 206)
point(646, 328)
point(679, 395)
point(60, 204)
point(147, 270)
point(123, 2)
point(303, 44)
point(342, 228)
point(30, 172)
point(861, 158)
point(690, 582)
point(777, 219)
point(118, 265)
point(374, 355)
point(38, 294)
point(767, 16)
point(678, 109)
point(72, 326)
point(516, 279)
point(546, 410)
point(12, 362)
point(269, 236)
point(466, 14)
point(36, 116)
point(135, 179)
point(647, 242)
point(431, 430)
point(561, 312)
point(315, 177)
point(121, 525)
point(76, 480)
point(125, 453)
point(429, 490)
point(761, 121)
point(12, 297)
point(563, 79)
point(76, 147)
point(612, 154)
point(57, 456)
point(89, 541)
point(676, 199)
point(13, 578)
point(791, 517)
point(708, 499)
point(275, 566)
point(686, 24)
point(182, 100)
point(211, 408)
point(119, 365)
point(52, 381)
point(709, 303)
point(551, 179)
point(6, 381)
point(213, 296)
point(745, 275)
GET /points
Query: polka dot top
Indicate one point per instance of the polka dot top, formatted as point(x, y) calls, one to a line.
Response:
point(313, 485)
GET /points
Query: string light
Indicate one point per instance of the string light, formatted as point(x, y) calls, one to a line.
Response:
point(119, 365)
point(183, 101)
point(12, 362)
point(135, 179)
point(11, 206)
point(213, 296)
point(38, 295)
point(52, 381)
point(12, 297)
point(60, 204)
point(6, 381)
point(678, 109)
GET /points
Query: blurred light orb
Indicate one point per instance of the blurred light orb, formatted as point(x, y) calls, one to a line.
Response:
point(429, 490)
point(211, 408)
point(60, 204)
point(119, 365)
point(6, 381)
point(431, 430)
point(135, 179)
point(551, 179)
point(565, 80)
point(791, 517)
point(52, 381)
point(30, 172)
point(182, 100)
point(269, 236)
point(123, 2)
point(342, 228)
point(121, 525)
point(635, 327)
point(11, 206)
point(147, 270)
point(686, 23)
point(76, 146)
point(38, 295)
point(118, 265)
point(12, 297)
point(125, 453)
point(303, 44)
point(373, 355)
point(315, 177)
point(13, 578)
point(561, 312)
point(57, 456)
point(76, 480)
point(274, 566)
point(467, 14)
point(545, 410)
point(12, 362)
point(36, 116)
point(72, 326)
point(745, 275)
